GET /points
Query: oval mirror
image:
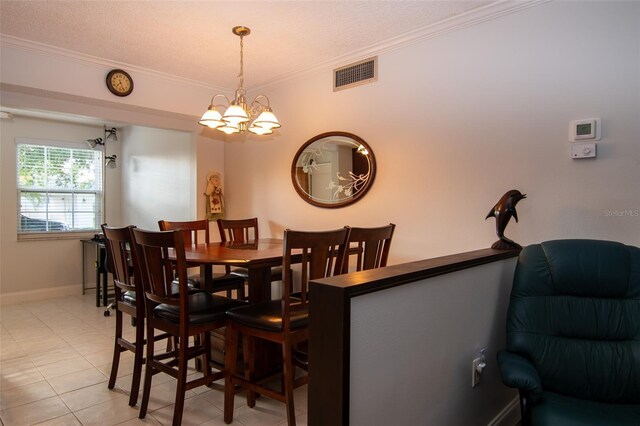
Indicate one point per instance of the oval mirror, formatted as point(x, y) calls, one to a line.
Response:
point(333, 169)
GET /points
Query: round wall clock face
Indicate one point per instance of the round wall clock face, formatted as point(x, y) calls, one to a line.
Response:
point(119, 83)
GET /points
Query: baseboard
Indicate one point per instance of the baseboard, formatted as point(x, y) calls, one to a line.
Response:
point(35, 295)
point(509, 416)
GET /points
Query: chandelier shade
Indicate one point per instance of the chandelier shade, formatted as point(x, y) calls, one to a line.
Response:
point(256, 117)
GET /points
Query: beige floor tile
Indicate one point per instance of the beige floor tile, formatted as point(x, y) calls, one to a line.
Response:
point(96, 344)
point(216, 397)
point(104, 357)
point(196, 411)
point(77, 380)
point(91, 395)
point(21, 395)
point(66, 420)
point(49, 357)
point(106, 413)
point(31, 333)
point(60, 368)
point(51, 346)
point(124, 369)
point(45, 344)
point(34, 412)
point(301, 420)
point(148, 420)
point(260, 415)
point(162, 395)
point(9, 349)
point(18, 372)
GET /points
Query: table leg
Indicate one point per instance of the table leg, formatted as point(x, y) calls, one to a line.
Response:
point(97, 266)
point(105, 276)
point(206, 278)
point(259, 284)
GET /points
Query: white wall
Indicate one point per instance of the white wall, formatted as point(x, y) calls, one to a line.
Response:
point(42, 268)
point(412, 348)
point(457, 120)
point(158, 177)
point(165, 175)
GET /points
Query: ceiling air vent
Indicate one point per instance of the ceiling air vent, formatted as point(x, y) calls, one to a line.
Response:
point(362, 72)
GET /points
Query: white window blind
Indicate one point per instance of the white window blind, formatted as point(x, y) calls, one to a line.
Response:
point(59, 188)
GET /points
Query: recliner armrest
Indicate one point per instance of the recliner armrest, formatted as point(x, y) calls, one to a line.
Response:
point(518, 372)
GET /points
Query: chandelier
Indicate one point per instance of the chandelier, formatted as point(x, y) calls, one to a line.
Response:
point(237, 114)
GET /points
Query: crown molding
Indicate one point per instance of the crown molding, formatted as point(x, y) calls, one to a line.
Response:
point(473, 17)
point(97, 62)
point(458, 22)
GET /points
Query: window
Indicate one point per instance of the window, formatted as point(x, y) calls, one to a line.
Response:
point(59, 187)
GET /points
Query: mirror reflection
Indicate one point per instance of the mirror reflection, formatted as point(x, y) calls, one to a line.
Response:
point(333, 169)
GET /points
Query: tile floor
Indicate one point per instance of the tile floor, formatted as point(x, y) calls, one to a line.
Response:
point(55, 359)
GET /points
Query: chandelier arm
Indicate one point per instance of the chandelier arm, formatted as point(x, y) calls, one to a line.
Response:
point(256, 100)
point(222, 96)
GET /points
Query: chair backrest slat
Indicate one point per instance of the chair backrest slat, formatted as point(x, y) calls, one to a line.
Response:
point(238, 230)
point(322, 255)
point(191, 229)
point(122, 262)
point(158, 268)
point(371, 246)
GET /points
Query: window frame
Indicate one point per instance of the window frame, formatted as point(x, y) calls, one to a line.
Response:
point(55, 234)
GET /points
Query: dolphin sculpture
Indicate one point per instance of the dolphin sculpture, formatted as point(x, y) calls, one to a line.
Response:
point(504, 209)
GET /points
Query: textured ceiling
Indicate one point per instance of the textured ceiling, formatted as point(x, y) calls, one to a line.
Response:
point(193, 39)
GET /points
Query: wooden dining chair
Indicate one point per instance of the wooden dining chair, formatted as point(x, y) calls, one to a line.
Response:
point(370, 247)
point(242, 231)
point(195, 232)
point(129, 299)
point(284, 321)
point(187, 314)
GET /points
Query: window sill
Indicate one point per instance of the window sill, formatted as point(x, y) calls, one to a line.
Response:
point(46, 236)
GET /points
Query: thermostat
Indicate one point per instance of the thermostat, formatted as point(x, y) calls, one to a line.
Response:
point(583, 150)
point(585, 129)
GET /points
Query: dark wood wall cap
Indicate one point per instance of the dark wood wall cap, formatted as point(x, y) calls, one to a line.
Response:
point(363, 282)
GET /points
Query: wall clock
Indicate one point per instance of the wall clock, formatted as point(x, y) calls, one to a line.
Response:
point(119, 83)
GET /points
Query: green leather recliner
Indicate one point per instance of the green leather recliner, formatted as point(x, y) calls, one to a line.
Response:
point(573, 334)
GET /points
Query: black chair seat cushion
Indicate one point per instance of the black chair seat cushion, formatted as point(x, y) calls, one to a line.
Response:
point(267, 316)
point(203, 308)
point(222, 281)
point(276, 273)
point(557, 409)
point(129, 297)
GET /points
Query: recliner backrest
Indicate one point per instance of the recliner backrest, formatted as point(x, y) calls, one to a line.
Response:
point(575, 314)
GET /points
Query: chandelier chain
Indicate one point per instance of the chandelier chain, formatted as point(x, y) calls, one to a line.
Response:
point(241, 74)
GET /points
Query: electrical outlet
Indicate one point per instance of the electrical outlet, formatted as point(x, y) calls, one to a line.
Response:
point(475, 374)
point(477, 367)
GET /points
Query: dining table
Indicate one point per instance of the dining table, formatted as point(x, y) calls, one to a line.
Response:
point(257, 256)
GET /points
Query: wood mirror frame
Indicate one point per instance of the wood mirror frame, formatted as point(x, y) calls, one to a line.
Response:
point(342, 164)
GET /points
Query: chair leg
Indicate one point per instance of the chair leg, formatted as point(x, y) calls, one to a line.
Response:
point(241, 291)
point(117, 349)
point(231, 356)
point(248, 351)
point(289, 373)
point(182, 380)
point(148, 372)
point(138, 360)
point(206, 358)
